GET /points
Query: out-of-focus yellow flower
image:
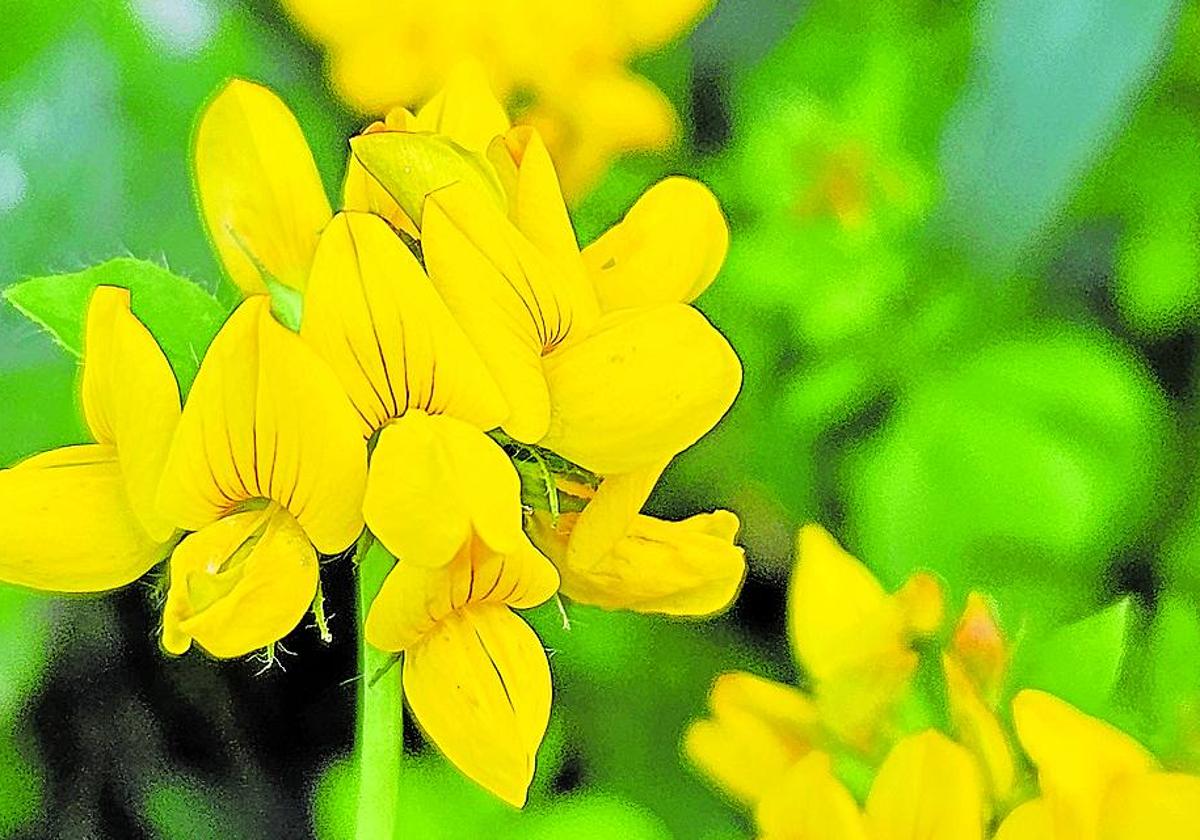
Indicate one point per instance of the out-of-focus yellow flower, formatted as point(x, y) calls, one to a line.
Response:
point(83, 518)
point(757, 731)
point(475, 674)
point(928, 788)
point(854, 639)
point(522, 291)
point(267, 467)
point(1096, 782)
point(613, 556)
point(562, 67)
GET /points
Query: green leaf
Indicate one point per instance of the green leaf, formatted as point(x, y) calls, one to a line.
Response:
point(1171, 699)
point(182, 316)
point(411, 166)
point(1027, 460)
point(1080, 662)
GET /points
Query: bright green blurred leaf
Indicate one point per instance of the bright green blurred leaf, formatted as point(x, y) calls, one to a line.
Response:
point(1172, 676)
point(1027, 459)
point(181, 315)
point(1158, 271)
point(1080, 662)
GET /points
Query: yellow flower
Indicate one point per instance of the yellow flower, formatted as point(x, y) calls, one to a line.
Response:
point(267, 467)
point(1096, 782)
point(441, 496)
point(523, 293)
point(758, 730)
point(852, 638)
point(475, 674)
point(928, 788)
point(563, 65)
point(613, 556)
point(83, 518)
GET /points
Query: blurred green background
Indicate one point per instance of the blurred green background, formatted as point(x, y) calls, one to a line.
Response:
point(965, 284)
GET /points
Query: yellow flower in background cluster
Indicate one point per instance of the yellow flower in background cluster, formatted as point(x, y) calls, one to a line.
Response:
point(787, 754)
point(562, 66)
point(441, 329)
point(767, 743)
point(1096, 782)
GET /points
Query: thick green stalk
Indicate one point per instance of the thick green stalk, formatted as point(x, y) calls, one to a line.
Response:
point(380, 710)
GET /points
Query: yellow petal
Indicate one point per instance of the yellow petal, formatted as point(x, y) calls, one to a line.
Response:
point(536, 204)
point(606, 518)
point(647, 384)
point(978, 728)
point(758, 729)
point(479, 685)
point(372, 314)
point(690, 567)
point(602, 115)
point(922, 603)
point(809, 803)
point(239, 584)
point(503, 294)
point(130, 400)
point(1028, 821)
point(267, 419)
point(832, 599)
point(651, 25)
point(412, 166)
point(928, 788)
point(1078, 758)
point(849, 635)
point(667, 249)
point(435, 481)
point(66, 524)
point(413, 599)
point(362, 193)
point(1155, 806)
point(259, 190)
point(465, 110)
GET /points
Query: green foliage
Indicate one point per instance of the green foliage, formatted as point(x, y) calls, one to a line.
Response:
point(1080, 662)
point(1029, 456)
point(439, 804)
point(181, 316)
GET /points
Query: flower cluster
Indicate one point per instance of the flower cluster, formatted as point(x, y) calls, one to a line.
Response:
point(563, 67)
point(794, 756)
point(403, 364)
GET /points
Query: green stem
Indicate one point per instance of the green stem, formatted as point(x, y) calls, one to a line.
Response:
point(380, 710)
